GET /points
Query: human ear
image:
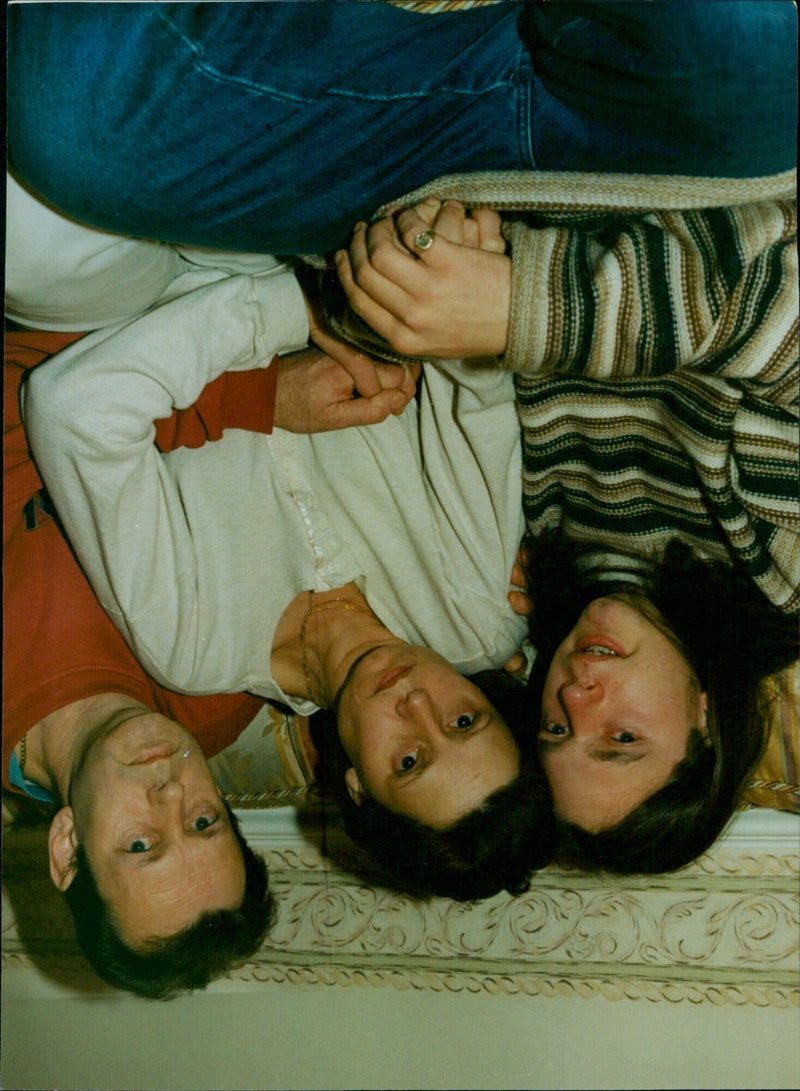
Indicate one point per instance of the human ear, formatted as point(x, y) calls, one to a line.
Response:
point(703, 725)
point(62, 843)
point(355, 788)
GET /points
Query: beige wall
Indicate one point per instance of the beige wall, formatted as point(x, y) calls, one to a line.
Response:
point(286, 1036)
point(490, 997)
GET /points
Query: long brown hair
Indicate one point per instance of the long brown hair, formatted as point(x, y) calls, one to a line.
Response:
point(732, 639)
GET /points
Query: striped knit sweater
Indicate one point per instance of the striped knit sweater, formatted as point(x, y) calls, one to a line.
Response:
point(654, 333)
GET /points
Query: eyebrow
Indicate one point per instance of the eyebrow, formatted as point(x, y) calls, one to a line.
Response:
point(412, 776)
point(549, 746)
point(617, 755)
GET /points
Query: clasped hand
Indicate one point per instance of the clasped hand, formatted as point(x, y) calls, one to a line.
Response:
point(451, 300)
point(329, 385)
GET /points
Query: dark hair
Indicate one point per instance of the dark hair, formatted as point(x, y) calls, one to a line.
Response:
point(189, 960)
point(495, 847)
point(732, 638)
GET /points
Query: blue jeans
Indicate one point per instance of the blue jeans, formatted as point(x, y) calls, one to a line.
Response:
point(276, 126)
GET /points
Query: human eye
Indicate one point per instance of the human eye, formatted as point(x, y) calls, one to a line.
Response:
point(554, 730)
point(141, 844)
point(408, 762)
point(624, 737)
point(465, 721)
point(203, 821)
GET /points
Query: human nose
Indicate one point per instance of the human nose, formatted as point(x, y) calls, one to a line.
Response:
point(166, 790)
point(578, 696)
point(415, 707)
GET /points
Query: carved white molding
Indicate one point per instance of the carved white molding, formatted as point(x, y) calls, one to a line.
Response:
point(724, 931)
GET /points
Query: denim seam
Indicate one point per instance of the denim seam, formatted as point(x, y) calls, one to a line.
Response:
point(363, 96)
point(214, 74)
point(206, 69)
point(525, 106)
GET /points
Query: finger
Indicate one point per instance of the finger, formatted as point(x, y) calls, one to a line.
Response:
point(364, 411)
point(520, 603)
point(449, 224)
point(472, 234)
point(390, 376)
point(382, 267)
point(516, 665)
point(359, 367)
point(397, 377)
point(410, 225)
point(426, 210)
point(378, 234)
point(518, 577)
point(490, 230)
point(374, 314)
point(410, 375)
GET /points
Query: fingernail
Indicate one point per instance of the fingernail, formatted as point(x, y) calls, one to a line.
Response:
point(431, 201)
point(398, 403)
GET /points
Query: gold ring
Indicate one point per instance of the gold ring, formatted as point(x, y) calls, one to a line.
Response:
point(424, 240)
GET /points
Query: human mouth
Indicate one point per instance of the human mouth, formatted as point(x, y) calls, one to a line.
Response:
point(390, 678)
point(595, 644)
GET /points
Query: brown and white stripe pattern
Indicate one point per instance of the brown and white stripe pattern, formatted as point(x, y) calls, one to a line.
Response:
point(658, 383)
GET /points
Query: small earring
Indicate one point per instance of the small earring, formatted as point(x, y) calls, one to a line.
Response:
point(188, 752)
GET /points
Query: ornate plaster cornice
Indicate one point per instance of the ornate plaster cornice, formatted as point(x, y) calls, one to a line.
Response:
point(723, 931)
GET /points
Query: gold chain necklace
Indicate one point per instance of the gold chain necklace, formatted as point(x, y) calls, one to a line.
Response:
point(23, 754)
point(338, 603)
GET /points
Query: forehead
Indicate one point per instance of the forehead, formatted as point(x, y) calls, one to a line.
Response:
point(163, 897)
point(598, 797)
point(461, 778)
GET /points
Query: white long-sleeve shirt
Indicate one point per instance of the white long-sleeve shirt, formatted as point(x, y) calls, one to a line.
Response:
point(196, 554)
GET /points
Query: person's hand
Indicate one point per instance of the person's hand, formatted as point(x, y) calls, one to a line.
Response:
point(521, 603)
point(316, 393)
point(367, 381)
point(450, 300)
point(518, 596)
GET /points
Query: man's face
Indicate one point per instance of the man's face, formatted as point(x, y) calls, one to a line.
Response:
point(618, 707)
point(155, 829)
point(423, 740)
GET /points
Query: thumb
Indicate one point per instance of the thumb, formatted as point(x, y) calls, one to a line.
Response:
point(363, 411)
point(398, 377)
point(359, 367)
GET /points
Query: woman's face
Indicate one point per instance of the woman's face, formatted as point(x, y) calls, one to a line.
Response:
point(423, 740)
point(618, 706)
